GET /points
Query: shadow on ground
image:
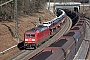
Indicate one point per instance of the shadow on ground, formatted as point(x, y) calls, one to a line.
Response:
point(21, 45)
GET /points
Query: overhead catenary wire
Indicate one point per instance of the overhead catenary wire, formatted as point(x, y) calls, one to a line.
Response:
point(6, 2)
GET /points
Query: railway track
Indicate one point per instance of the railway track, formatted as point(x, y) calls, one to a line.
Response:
point(25, 54)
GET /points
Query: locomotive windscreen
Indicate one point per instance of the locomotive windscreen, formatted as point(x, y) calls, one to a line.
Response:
point(30, 35)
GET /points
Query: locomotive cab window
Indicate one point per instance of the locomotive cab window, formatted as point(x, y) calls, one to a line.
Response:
point(30, 35)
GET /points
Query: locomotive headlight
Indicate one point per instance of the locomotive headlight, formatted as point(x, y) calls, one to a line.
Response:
point(33, 39)
point(26, 39)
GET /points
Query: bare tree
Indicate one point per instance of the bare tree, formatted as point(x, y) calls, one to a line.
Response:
point(25, 7)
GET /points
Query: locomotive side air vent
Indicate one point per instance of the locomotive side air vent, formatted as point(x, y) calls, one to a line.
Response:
point(59, 43)
point(79, 24)
point(75, 28)
point(70, 34)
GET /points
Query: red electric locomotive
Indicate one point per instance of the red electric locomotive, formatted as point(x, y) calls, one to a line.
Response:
point(36, 36)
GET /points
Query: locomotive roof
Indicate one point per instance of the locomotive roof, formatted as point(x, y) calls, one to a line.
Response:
point(42, 56)
point(39, 28)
